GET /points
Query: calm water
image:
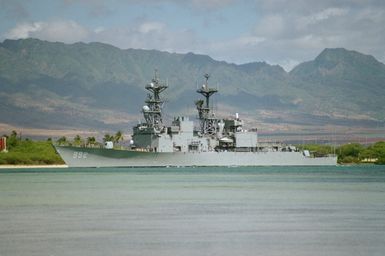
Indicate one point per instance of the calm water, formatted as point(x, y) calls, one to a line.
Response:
point(193, 211)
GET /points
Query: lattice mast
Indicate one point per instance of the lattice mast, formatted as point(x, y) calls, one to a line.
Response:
point(208, 122)
point(153, 110)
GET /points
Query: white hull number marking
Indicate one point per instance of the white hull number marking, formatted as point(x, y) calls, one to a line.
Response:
point(80, 155)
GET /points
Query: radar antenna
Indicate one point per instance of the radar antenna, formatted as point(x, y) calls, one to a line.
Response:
point(208, 122)
point(153, 110)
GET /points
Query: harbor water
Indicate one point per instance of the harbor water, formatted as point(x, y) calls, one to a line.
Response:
point(274, 211)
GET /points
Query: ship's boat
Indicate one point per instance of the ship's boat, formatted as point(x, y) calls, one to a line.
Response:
point(215, 141)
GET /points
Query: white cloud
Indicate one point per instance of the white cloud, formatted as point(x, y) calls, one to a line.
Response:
point(235, 50)
point(330, 12)
point(63, 31)
point(99, 29)
point(322, 15)
point(248, 41)
point(141, 35)
point(211, 4)
point(243, 41)
point(100, 7)
point(271, 26)
point(23, 30)
point(13, 10)
point(151, 27)
point(285, 32)
point(289, 64)
point(299, 30)
point(147, 35)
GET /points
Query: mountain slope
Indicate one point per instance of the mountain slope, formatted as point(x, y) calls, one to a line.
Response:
point(353, 82)
point(98, 86)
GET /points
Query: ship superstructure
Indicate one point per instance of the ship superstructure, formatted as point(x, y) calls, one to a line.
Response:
point(215, 141)
point(213, 134)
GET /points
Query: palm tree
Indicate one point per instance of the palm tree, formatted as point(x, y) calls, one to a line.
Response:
point(118, 136)
point(12, 141)
point(108, 137)
point(78, 140)
point(62, 140)
point(14, 134)
point(91, 141)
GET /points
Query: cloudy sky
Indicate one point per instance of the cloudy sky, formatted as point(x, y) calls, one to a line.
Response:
point(284, 32)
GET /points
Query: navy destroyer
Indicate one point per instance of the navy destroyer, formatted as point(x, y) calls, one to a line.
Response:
point(215, 141)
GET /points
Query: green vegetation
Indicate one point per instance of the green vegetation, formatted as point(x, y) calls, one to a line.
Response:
point(62, 141)
point(351, 153)
point(317, 149)
point(78, 141)
point(88, 85)
point(118, 137)
point(108, 137)
point(91, 142)
point(29, 152)
point(375, 151)
point(42, 152)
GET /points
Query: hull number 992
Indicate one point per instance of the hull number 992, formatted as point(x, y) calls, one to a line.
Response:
point(80, 155)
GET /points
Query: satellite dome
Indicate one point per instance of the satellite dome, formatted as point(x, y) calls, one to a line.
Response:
point(146, 108)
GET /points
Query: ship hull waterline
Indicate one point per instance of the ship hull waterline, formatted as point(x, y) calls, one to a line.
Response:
point(99, 157)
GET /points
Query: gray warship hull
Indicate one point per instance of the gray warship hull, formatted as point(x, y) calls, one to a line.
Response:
point(100, 157)
point(216, 142)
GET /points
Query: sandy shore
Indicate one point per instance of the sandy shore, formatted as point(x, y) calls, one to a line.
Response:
point(9, 166)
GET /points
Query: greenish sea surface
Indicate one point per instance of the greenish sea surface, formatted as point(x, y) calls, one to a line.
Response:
point(193, 211)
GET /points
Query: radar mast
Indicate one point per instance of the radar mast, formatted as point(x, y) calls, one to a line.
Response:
point(208, 122)
point(153, 110)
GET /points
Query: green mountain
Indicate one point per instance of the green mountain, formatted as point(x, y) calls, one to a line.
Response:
point(345, 81)
point(101, 87)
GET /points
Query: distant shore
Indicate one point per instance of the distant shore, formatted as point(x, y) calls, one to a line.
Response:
point(28, 166)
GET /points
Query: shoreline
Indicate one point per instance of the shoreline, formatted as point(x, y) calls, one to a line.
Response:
point(29, 166)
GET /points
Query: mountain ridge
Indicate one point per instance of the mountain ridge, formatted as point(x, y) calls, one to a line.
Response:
point(96, 85)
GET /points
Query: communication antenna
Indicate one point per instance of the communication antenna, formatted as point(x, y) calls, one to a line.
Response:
point(207, 120)
point(207, 76)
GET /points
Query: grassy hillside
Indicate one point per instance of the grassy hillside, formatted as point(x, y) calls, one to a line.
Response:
point(345, 80)
point(98, 86)
point(29, 152)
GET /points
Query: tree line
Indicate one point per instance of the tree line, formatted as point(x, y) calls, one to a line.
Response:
point(27, 151)
point(78, 141)
point(351, 152)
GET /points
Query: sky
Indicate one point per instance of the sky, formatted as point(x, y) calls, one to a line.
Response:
point(283, 32)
